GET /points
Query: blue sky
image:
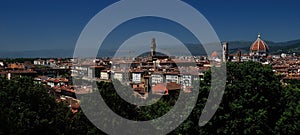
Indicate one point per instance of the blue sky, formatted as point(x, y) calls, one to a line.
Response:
point(56, 24)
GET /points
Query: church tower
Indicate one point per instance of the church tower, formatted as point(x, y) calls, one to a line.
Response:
point(225, 51)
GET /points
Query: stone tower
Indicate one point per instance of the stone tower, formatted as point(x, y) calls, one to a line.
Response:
point(239, 55)
point(225, 51)
point(153, 47)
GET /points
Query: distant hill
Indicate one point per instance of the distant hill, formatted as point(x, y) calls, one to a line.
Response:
point(275, 48)
point(54, 53)
point(293, 48)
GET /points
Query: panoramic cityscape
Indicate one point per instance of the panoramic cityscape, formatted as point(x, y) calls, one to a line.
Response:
point(246, 83)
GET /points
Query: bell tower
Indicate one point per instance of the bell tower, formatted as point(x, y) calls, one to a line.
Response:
point(225, 51)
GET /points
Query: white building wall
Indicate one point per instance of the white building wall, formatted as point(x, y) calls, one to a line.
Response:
point(136, 77)
point(118, 76)
point(91, 73)
point(171, 78)
point(186, 80)
point(104, 76)
point(156, 78)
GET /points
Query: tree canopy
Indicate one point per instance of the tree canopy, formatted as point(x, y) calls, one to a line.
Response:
point(27, 108)
point(254, 102)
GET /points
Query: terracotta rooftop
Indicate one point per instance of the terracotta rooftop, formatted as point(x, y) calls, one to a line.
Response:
point(171, 73)
point(169, 86)
point(214, 55)
point(137, 70)
point(19, 72)
point(159, 87)
point(173, 86)
point(259, 45)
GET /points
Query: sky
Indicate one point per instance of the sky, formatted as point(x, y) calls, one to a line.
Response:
point(57, 24)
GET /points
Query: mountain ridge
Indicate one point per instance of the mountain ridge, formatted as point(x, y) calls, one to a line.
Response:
point(234, 46)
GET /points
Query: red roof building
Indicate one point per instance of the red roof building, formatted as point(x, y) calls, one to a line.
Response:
point(259, 48)
point(165, 88)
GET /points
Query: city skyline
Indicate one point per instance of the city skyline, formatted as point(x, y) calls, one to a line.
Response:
point(149, 67)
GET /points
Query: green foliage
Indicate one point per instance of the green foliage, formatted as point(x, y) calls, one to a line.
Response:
point(19, 60)
point(289, 122)
point(251, 101)
point(131, 111)
point(81, 125)
point(41, 67)
point(254, 102)
point(27, 108)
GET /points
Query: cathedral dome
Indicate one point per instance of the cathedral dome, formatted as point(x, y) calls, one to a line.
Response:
point(215, 55)
point(259, 46)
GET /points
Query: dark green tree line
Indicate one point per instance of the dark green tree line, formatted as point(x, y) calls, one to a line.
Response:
point(254, 102)
point(27, 108)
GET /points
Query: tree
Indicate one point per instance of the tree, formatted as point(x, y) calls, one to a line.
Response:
point(289, 122)
point(27, 108)
point(254, 102)
point(250, 103)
